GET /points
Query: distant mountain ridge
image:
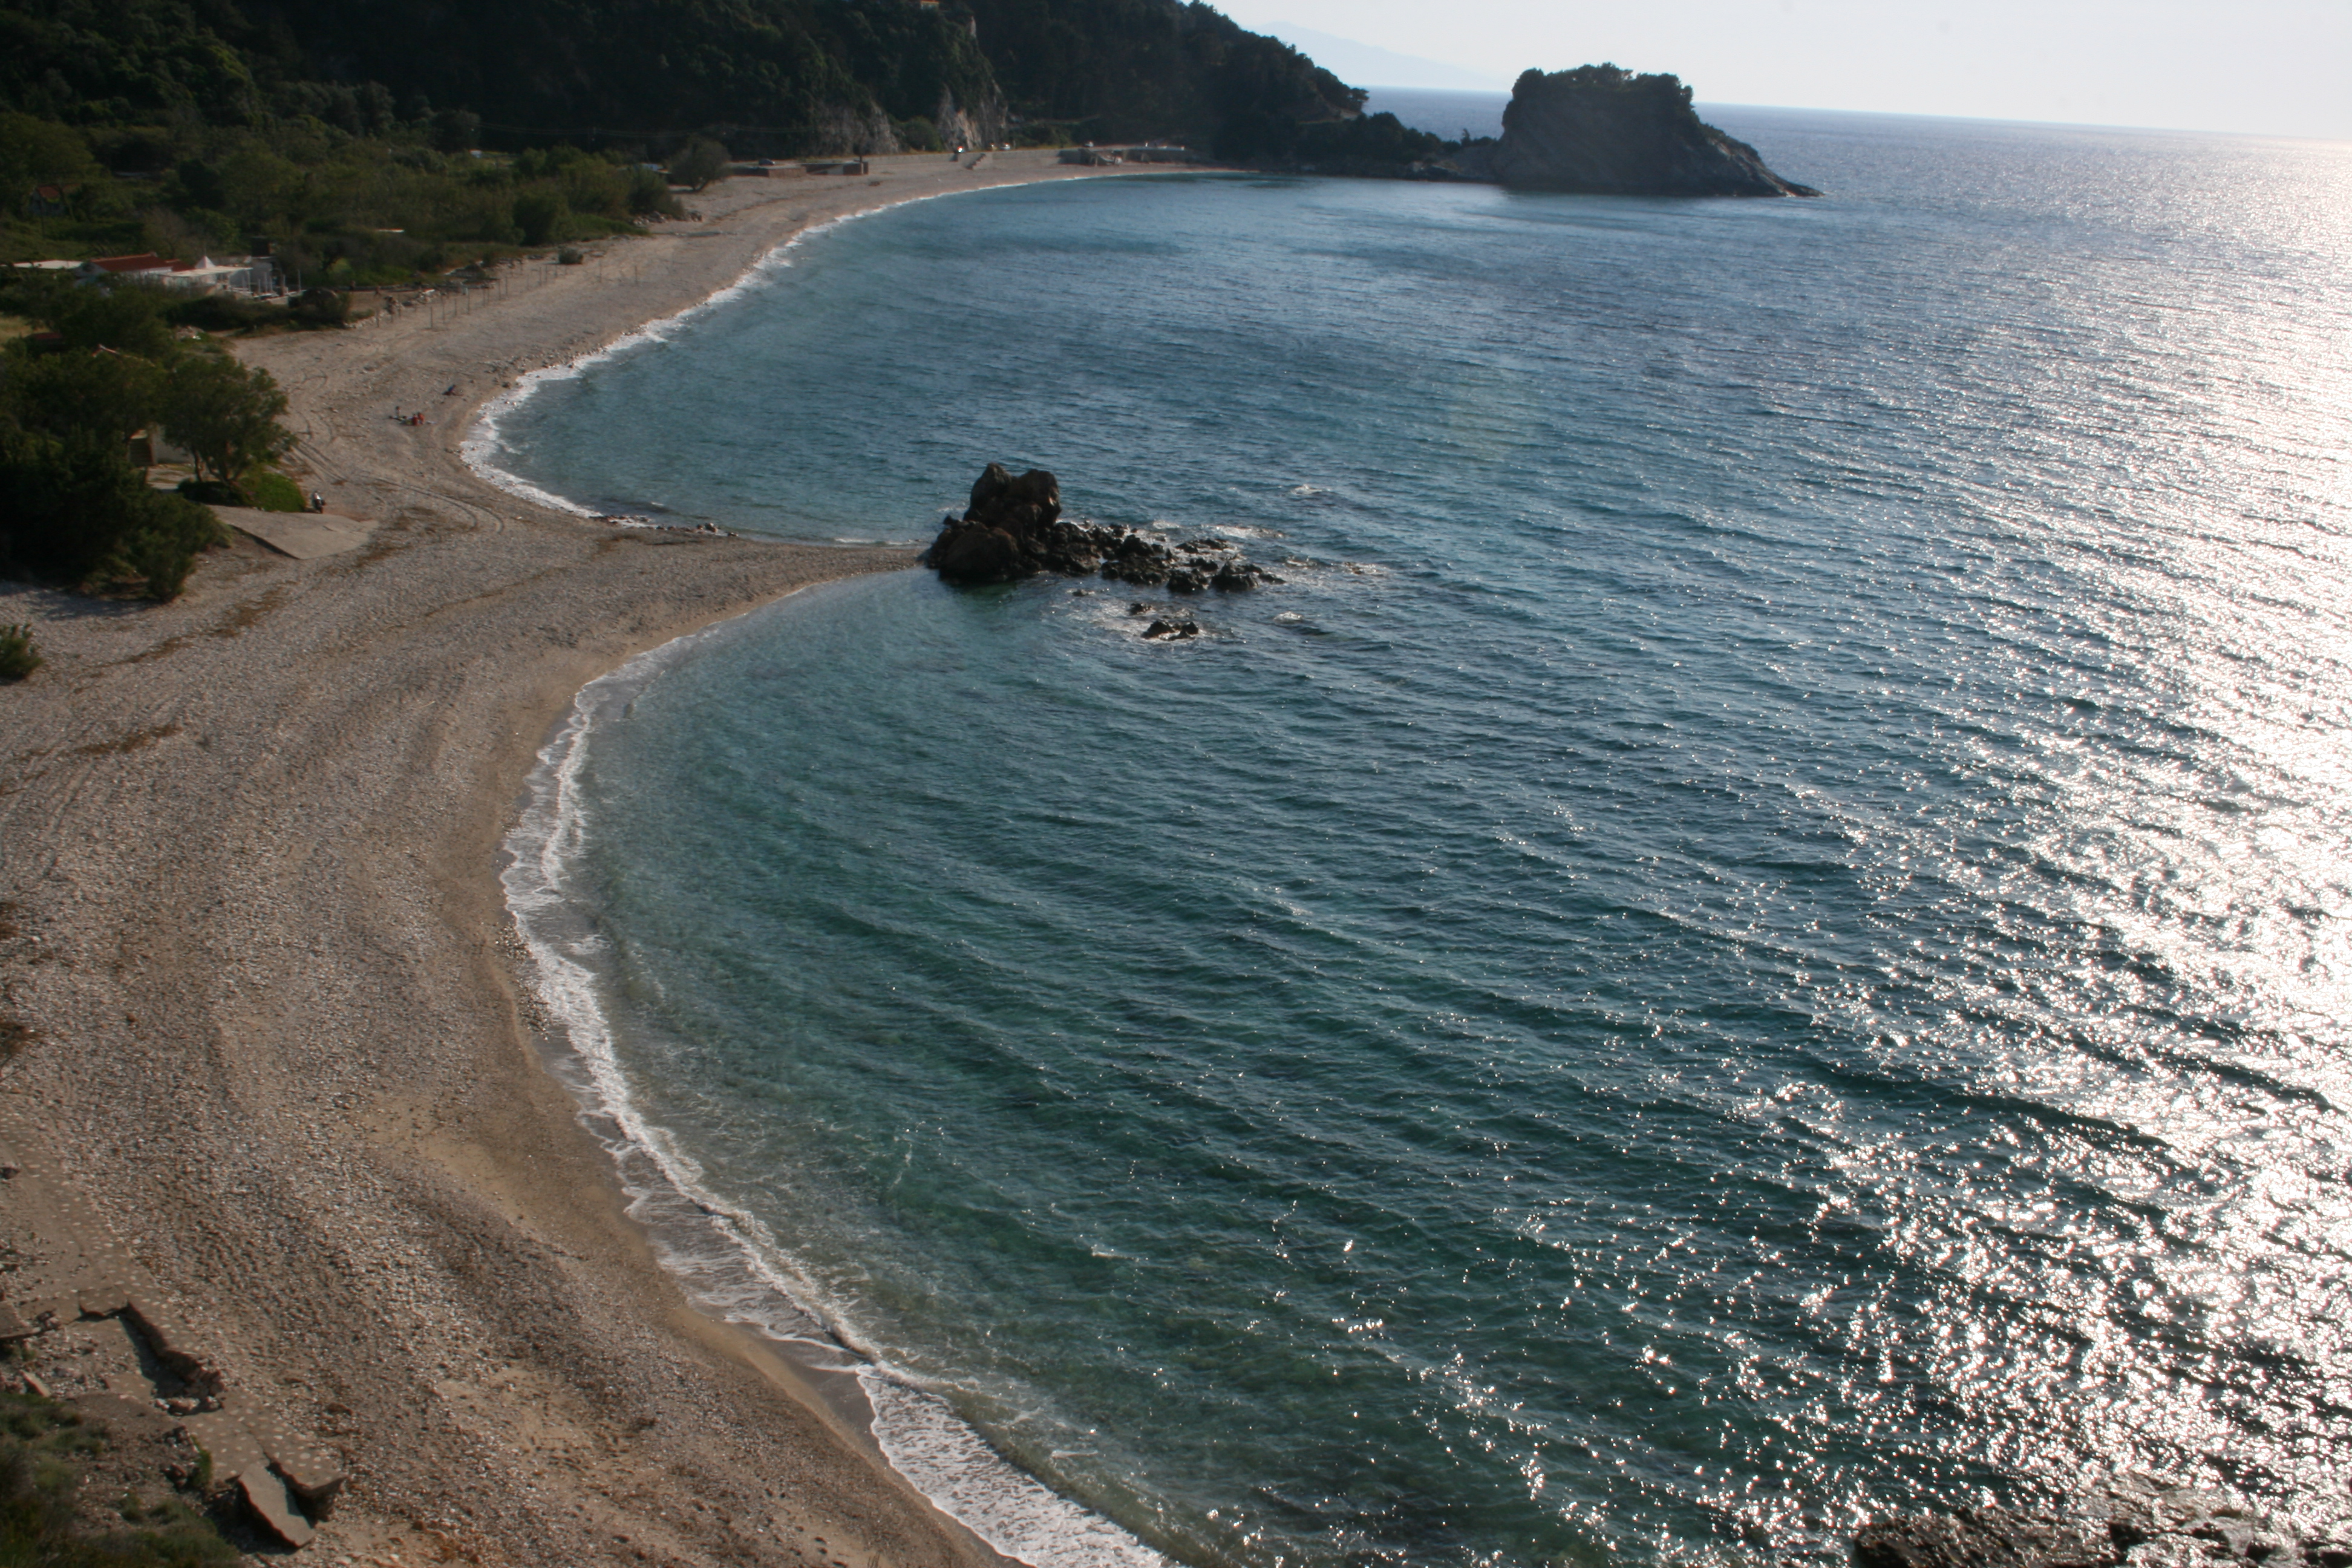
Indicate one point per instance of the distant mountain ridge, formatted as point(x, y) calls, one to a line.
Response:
point(1369, 65)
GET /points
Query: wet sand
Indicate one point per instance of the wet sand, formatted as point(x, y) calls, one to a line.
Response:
point(251, 841)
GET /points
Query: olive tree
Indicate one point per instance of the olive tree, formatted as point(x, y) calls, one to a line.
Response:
point(702, 161)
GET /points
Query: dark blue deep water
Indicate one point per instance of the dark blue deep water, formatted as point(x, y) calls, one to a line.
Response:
point(1762, 930)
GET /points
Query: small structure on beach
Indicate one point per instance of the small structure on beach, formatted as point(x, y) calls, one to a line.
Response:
point(251, 275)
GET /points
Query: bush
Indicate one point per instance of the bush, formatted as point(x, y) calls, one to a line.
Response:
point(543, 217)
point(919, 135)
point(224, 312)
point(273, 491)
point(45, 1451)
point(18, 656)
point(73, 509)
point(702, 161)
point(320, 307)
point(649, 196)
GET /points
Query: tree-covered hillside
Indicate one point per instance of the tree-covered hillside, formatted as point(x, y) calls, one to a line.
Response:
point(775, 75)
point(345, 133)
point(784, 75)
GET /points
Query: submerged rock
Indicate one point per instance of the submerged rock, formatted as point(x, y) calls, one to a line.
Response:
point(1986, 1537)
point(2124, 1521)
point(1600, 129)
point(1014, 527)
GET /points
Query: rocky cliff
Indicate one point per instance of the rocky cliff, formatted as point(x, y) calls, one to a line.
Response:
point(1601, 130)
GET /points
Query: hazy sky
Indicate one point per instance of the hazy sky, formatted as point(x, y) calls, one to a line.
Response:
point(2279, 66)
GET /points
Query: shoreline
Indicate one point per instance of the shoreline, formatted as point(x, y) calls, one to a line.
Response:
point(725, 1260)
point(249, 843)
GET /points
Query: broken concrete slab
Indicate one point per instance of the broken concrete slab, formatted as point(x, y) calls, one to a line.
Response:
point(127, 1416)
point(314, 1473)
point(169, 1338)
point(102, 1299)
point(266, 1495)
point(234, 1449)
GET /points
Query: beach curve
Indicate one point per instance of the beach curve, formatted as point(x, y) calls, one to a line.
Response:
point(283, 1040)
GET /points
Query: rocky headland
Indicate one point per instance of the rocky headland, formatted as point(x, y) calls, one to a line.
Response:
point(1603, 131)
point(1014, 527)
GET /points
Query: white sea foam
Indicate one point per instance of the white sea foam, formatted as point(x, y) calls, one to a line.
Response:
point(484, 443)
point(730, 1261)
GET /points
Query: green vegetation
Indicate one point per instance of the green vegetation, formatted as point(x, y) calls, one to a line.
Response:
point(224, 413)
point(72, 507)
point(45, 1447)
point(701, 162)
point(351, 139)
point(273, 491)
point(335, 209)
point(18, 656)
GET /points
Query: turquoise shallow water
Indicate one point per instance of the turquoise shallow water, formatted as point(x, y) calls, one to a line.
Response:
point(1759, 932)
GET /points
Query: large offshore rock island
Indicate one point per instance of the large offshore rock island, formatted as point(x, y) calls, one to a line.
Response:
point(1603, 130)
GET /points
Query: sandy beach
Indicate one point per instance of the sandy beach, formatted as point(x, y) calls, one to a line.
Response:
point(249, 846)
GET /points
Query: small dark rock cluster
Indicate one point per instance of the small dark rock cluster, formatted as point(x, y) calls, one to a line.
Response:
point(2128, 1522)
point(1014, 527)
point(1183, 627)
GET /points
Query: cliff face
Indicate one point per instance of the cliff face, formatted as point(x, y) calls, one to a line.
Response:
point(1112, 70)
point(1598, 129)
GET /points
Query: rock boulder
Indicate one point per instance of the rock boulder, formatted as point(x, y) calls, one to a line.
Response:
point(1603, 130)
point(1014, 527)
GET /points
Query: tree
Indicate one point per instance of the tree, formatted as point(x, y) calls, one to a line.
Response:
point(124, 317)
point(111, 395)
point(702, 161)
point(225, 414)
point(38, 152)
point(457, 130)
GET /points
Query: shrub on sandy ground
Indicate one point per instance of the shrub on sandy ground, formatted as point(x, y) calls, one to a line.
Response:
point(702, 161)
point(46, 1450)
point(72, 507)
point(273, 491)
point(73, 510)
point(18, 656)
point(320, 307)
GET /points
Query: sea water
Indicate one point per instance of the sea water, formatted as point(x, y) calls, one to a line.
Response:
point(1760, 931)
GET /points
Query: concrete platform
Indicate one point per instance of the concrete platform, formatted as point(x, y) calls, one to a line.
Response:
point(304, 535)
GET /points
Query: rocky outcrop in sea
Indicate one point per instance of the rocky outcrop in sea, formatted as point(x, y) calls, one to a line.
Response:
point(2126, 1522)
point(1603, 130)
point(1014, 527)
